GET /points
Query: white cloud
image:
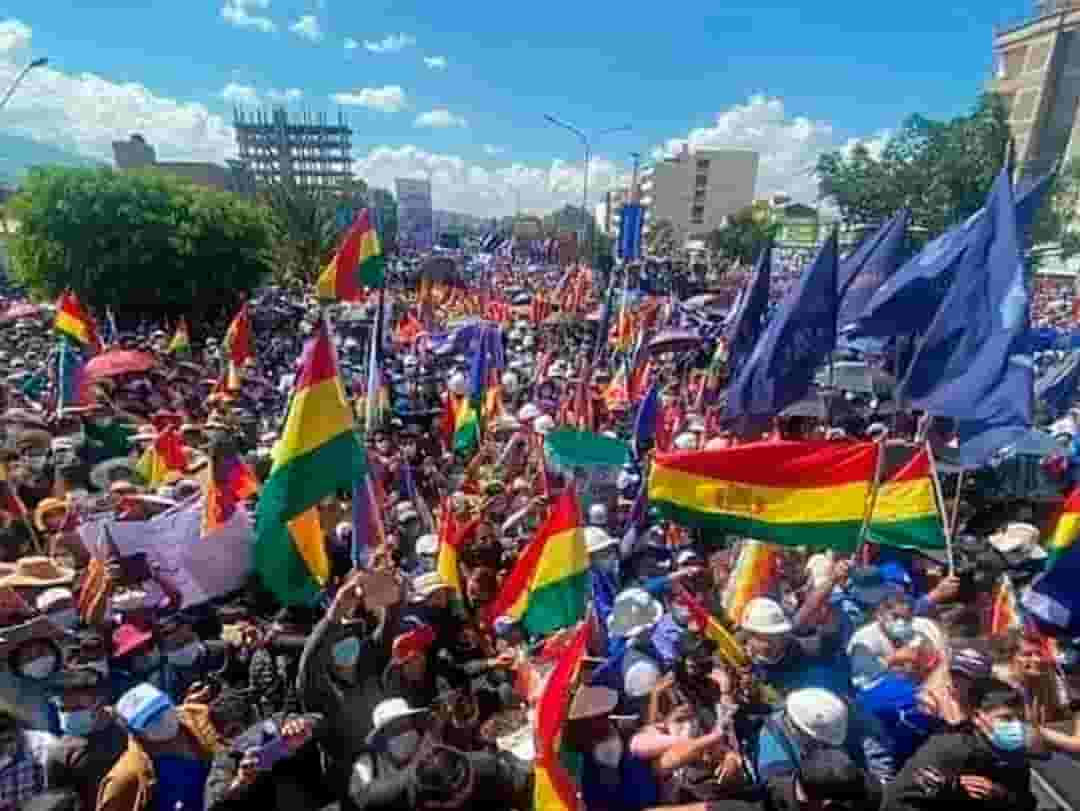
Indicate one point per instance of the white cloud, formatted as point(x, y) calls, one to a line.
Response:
point(439, 119)
point(308, 28)
point(491, 149)
point(240, 94)
point(392, 43)
point(284, 96)
point(14, 37)
point(388, 99)
point(84, 113)
point(351, 44)
point(239, 13)
point(435, 62)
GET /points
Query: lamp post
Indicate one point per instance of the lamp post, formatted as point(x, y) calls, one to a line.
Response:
point(586, 142)
point(40, 62)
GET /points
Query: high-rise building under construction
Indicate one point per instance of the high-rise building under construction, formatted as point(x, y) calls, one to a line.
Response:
point(304, 149)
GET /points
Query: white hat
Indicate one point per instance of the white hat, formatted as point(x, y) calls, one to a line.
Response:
point(50, 597)
point(427, 545)
point(634, 611)
point(510, 382)
point(598, 514)
point(640, 679)
point(820, 714)
point(528, 412)
point(685, 442)
point(543, 424)
point(391, 716)
point(458, 384)
point(596, 540)
point(1015, 536)
point(765, 616)
point(427, 584)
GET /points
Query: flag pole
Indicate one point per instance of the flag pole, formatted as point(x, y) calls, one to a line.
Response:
point(871, 500)
point(941, 506)
point(369, 404)
point(956, 503)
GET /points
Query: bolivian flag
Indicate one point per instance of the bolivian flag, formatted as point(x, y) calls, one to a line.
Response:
point(1004, 610)
point(754, 575)
point(358, 263)
point(181, 340)
point(906, 509)
point(792, 493)
point(545, 591)
point(165, 460)
point(1067, 529)
point(316, 455)
point(230, 482)
point(238, 338)
point(75, 322)
point(726, 645)
point(556, 785)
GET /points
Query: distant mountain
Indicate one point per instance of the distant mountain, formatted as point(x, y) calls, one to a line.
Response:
point(18, 155)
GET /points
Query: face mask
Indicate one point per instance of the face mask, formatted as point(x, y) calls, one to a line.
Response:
point(185, 656)
point(164, 728)
point(40, 668)
point(900, 630)
point(1008, 736)
point(66, 619)
point(609, 752)
point(402, 747)
point(346, 652)
point(78, 722)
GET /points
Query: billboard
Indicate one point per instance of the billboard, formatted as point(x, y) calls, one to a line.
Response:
point(415, 219)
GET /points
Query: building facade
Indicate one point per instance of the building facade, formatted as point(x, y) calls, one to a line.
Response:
point(1037, 74)
point(305, 150)
point(137, 153)
point(695, 190)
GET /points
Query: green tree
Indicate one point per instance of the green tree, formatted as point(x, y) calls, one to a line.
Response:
point(744, 236)
point(143, 243)
point(306, 225)
point(941, 170)
point(1056, 222)
point(659, 238)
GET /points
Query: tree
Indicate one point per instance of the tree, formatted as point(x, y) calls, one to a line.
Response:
point(659, 238)
point(143, 243)
point(306, 224)
point(941, 170)
point(1056, 221)
point(744, 236)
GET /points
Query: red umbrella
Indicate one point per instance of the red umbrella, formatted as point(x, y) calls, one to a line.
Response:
point(119, 362)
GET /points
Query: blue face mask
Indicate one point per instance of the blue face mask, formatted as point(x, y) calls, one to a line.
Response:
point(346, 652)
point(1008, 736)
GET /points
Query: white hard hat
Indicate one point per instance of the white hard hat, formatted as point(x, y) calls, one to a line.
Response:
point(640, 679)
point(528, 412)
point(596, 540)
point(819, 714)
point(427, 545)
point(458, 385)
point(765, 616)
point(685, 442)
point(598, 514)
point(543, 424)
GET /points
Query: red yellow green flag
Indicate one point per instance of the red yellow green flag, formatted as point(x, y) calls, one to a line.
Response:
point(75, 322)
point(316, 455)
point(1004, 611)
point(726, 644)
point(163, 461)
point(555, 787)
point(238, 338)
point(1067, 529)
point(813, 493)
point(358, 263)
point(754, 575)
point(545, 591)
point(906, 509)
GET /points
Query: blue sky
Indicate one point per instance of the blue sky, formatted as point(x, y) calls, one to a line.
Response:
point(787, 79)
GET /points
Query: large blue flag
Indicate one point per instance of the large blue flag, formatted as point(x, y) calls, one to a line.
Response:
point(1053, 598)
point(798, 339)
point(906, 303)
point(871, 265)
point(745, 328)
point(974, 363)
point(645, 420)
point(1056, 389)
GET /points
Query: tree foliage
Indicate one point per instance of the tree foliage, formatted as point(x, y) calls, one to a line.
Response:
point(1056, 219)
point(941, 170)
point(305, 230)
point(745, 235)
point(143, 243)
point(659, 238)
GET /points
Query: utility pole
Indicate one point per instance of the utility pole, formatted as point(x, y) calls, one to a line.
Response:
point(37, 63)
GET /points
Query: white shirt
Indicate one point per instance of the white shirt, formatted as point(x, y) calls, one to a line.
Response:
point(870, 647)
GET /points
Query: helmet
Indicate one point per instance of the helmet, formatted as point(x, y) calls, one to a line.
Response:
point(819, 714)
point(543, 424)
point(685, 442)
point(528, 413)
point(640, 679)
point(765, 616)
point(458, 384)
point(427, 545)
point(598, 514)
point(510, 382)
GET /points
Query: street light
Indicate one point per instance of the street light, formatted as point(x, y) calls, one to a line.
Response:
point(40, 62)
point(588, 158)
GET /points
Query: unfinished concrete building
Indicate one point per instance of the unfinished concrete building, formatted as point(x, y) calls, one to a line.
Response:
point(305, 149)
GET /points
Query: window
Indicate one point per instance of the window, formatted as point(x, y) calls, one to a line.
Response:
point(702, 181)
point(699, 196)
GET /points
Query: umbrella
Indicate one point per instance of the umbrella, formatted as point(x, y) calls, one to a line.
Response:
point(119, 362)
point(674, 340)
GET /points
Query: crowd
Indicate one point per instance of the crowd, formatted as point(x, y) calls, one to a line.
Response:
point(859, 682)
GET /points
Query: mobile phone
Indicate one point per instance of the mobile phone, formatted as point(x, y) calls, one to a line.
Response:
point(135, 569)
point(269, 754)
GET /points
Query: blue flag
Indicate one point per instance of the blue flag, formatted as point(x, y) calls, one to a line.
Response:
point(1053, 598)
point(974, 363)
point(631, 220)
point(906, 303)
point(745, 328)
point(868, 268)
point(797, 340)
point(645, 421)
point(1057, 388)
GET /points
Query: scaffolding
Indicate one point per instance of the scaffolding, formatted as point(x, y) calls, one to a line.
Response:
point(302, 149)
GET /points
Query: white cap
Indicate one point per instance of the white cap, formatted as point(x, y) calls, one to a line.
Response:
point(543, 424)
point(685, 442)
point(596, 540)
point(765, 616)
point(458, 384)
point(598, 514)
point(819, 714)
point(528, 412)
point(640, 679)
point(510, 382)
point(427, 545)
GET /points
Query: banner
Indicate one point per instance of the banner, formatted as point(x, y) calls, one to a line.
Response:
point(631, 219)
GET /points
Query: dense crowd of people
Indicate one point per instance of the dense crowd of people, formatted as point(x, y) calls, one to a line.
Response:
point(861, 682)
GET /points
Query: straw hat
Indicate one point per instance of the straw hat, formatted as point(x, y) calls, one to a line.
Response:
point(38, 572)
point(48, 505)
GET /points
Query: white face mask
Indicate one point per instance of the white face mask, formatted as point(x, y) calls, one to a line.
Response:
point(66, 619)
point(40, 668)
point(164, 728)
point(185, 656)
point(609, 752)
point(402, 747)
